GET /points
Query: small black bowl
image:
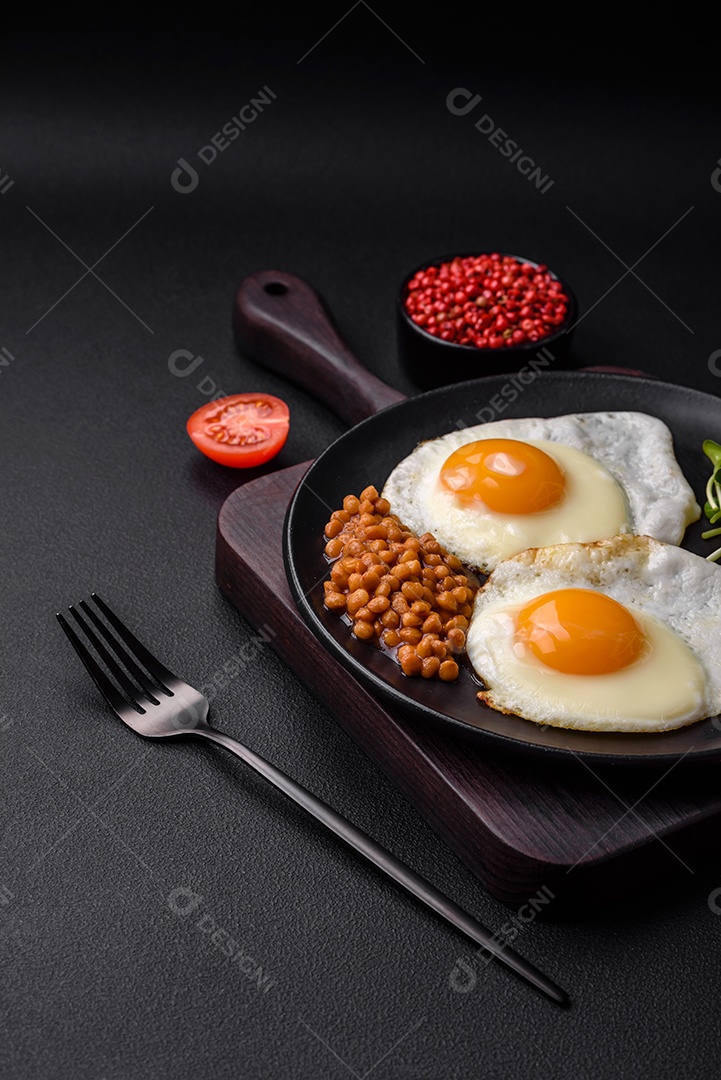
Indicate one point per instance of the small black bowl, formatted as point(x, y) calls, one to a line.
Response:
point(431, 362)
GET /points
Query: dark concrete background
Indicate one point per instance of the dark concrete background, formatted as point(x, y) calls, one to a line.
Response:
point(355, 172)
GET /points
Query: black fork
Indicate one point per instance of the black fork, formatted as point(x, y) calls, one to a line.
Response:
point(155, 703)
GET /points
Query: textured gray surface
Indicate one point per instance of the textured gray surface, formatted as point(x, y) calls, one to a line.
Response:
point(354, 173)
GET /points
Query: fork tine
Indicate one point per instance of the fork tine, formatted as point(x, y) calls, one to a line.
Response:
point(128, 687)
point(123, 655)
point(111, 694)
point(159, 672)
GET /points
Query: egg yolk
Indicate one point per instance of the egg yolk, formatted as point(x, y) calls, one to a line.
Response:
point(580, 632)
point(508, 476)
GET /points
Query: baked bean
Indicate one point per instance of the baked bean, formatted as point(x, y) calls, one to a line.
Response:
point(334, 548)
point(424, 647)
point(412, 590)
point(433, 624)
point(410, 661)
point(431, 666)
point(357, 599)
point(405, 590)
point(409, 619)
point(448, 671)
point(339, 577)
point(371, 580)
point(363, 630)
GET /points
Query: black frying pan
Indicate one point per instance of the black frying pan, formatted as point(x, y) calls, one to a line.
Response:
point(283, 323)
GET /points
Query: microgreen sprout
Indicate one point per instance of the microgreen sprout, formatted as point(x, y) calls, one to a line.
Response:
point(712, 509)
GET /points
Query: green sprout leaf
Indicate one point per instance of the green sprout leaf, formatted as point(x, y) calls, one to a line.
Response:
point(712, 450)
point(712, 507)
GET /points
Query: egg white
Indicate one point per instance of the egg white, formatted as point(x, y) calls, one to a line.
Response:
point(621, 476)
point(674, 595)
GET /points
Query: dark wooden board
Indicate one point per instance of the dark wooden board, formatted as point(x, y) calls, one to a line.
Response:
point(518, 824)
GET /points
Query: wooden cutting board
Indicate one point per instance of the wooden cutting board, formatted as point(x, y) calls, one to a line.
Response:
point(520, 825)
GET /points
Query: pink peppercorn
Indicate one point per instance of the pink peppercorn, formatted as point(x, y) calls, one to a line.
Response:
point(488, 301)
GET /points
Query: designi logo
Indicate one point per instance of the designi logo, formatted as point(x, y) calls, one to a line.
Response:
point(184, 902)
point(185, 178)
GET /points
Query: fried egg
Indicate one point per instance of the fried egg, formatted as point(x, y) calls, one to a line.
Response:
point(490, 491)
point(619, 635)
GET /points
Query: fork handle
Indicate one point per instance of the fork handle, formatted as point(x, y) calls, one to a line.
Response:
point(388, 863)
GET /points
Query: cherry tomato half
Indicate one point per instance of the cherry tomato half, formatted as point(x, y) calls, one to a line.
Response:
point(242, 430)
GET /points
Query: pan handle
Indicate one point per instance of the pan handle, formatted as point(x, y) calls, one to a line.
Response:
point(284, 324)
